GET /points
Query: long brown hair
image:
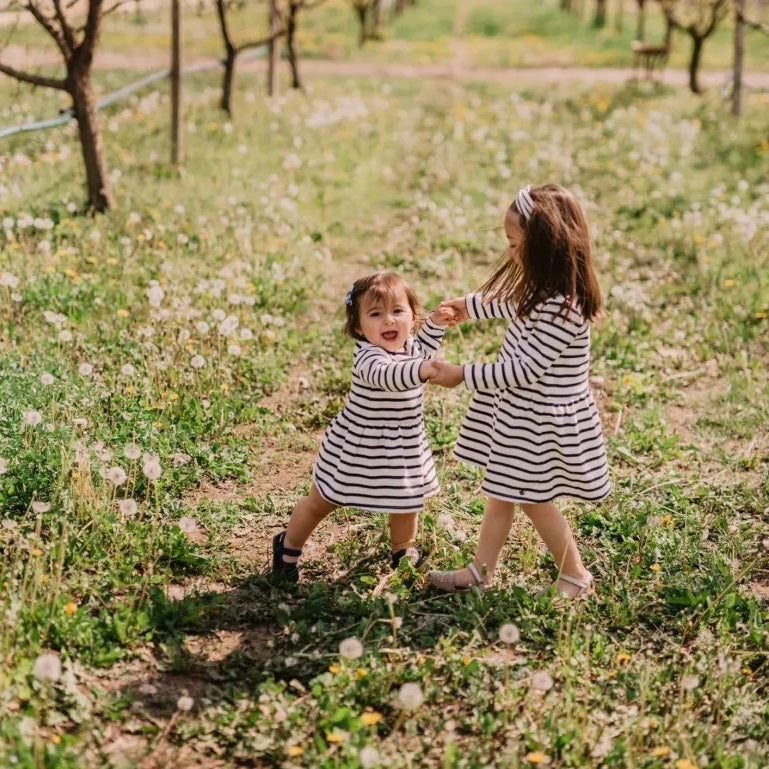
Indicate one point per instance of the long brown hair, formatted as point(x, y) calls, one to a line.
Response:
point(377, 286)
point(555, 257)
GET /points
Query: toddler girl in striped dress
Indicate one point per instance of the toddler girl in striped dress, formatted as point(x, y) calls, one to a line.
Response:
point(375, 455)
point(532, 423)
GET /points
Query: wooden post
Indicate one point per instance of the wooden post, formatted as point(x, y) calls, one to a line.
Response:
point(739, 54)
point(175, 84)
point(272, 47)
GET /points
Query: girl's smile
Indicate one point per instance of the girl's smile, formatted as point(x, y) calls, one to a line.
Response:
point(387, 322)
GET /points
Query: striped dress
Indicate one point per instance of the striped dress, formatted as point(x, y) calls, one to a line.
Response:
point(375, 455)
point(532, 423)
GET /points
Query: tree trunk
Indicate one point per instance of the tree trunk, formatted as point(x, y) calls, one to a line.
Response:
point(619, 16)
point(229, 75)
point(694, 64)
point(599, 21)
point(362, 19)
point(272, 47)
point(739, 55)
point(640, 32)
point(293, 61)
point(376, 20)
point(175, 84)
point(84, 108)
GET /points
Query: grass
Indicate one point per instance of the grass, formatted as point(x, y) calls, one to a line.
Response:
point(268, 221)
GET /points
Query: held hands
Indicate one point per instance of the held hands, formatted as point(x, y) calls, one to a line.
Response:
point(446, 374)
point(450, 313)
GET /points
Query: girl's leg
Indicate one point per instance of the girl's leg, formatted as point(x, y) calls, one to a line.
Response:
point(495, 526)
point(403, 530)
point(308, 513)
point(552, 526)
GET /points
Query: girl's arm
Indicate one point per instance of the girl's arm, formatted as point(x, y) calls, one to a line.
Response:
point(430, 335)
point(375, 367)
point(475, 307)
point(548, 337)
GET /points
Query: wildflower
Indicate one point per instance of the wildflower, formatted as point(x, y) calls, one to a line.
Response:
point(31, 418)
point(151, 470)
point(85, 369)
point(369, 757)
point(350, 648)
point(47, 667)
point(294, 750)
point(336, 736)
point(148, 689)
point(187, 525)
point(6, 279)
point(94, 236)
point(228, 325)
point(40, 507)
point(360, 673)
point(334, 669)
point(9, 525)
point(621, 657)
point(446, 521)
point(127, 507)
point(131, 451)
point(410, 696)
point(509, 634)
point(184, 703)
point(154, 294)
point(690, 683)
point(760, 315)
point(197, 361)
point(65, 335)
point(233, 349)
point(202, 327)
point(655, 567)
point(542, 680)
point(660, 752)
point(116, 476)
point(70, 608)
point(127, 369)
point(46, 378)
point(537, 757)
point(684, 763)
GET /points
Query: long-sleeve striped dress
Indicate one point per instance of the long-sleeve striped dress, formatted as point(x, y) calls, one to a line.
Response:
point(532, 422)
point(375, 455)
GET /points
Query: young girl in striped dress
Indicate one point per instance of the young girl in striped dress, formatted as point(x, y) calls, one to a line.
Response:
point(532, 423)
point(375, 455)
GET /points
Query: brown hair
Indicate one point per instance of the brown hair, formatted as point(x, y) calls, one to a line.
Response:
point(555, 257)
point(377, 286)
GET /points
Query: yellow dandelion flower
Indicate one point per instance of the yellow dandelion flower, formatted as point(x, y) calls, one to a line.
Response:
point(173, 397)
point(70, 608)
point(621, 657)
point(111, 260)
point(334, 669)
point(37, 551)
point(760, 315)
point(666, 520)
point(129, 389)
point(747, 671)
point(611, 674)
point(294, 750)
point(684, 763)
point(537, 757)
point(44, 578)
point(122, 313)
point(660, 752)
point(360, 673)
point(728, 282)
point(466, 660)
point(655, 567)
point(157, 425)
point(335, 736)
point(55, 739)
point(225, 387)
point(369, 719)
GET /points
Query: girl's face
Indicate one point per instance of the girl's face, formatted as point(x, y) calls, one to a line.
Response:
point(515, 236)
point(386, 322)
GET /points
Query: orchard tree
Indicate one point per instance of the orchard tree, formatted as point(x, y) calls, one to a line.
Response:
point(75, 32)
point(699, 19)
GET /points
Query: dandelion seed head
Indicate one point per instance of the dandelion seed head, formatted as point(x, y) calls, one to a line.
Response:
point(509, 633)
point(197, 361)
point(350, 648)
point(127, 507)
point(542, 680)
point(369, 757)
point(47, 667)
point(131, 451)
point(39, 506)
point(31, 418)
point(690, 682)
point(185, 703)
point(187, 525)
point(410, 696)
point(127, 369)
point(116, 476)
point(85, 369)
point(65, 335)
point(152, 470)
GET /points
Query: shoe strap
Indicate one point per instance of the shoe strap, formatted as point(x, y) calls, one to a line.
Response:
point(287, 550)
point(476, 574)
point(585, 583)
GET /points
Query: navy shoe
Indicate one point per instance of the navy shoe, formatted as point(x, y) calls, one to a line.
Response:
point(286, 571)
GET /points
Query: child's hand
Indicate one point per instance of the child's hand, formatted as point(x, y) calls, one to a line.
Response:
point(444, 316)
point(459, 308)
point(447, 374)
point(427, 369)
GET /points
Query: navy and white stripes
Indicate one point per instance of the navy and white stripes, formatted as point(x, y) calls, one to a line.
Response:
point(532, 423)
point(375, 455)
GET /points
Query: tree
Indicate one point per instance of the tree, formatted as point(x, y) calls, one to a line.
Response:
point(699, 19)
point(76, 35)
point(640, 32)
point(599, 20)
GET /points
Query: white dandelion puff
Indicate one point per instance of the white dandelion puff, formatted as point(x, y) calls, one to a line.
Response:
point(38, 506)
point(185, 703)
point(509, 633)
point(369, 757)
point(350, 648)
point(85, 369)
point(65, 335)
point(128, 507)
point(187, 525)
point(31, 418)
point(197, 361)
point(542, 680)
point(47, 667)
point(116, 476)
point(151, 470)
point(46, 378)
point(127, 369)
point(131, 451)
point(410, 696)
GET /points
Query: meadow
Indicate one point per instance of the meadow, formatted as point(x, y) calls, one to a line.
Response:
point(167, 369)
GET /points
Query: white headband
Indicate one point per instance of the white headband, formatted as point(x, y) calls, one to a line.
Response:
point(524, 203)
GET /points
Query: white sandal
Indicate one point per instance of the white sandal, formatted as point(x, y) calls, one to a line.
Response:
point(447, 580)
point(584, 585)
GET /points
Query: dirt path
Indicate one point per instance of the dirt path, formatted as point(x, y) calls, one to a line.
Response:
point(456, 69)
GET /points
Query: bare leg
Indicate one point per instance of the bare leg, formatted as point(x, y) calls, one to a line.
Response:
point(556, 533)
point(308, 513)
point(495, 526)
point(403, 530)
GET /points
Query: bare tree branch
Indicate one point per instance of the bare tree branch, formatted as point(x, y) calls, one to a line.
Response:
point(116, 5)
point(757, 25)
point(64, 25)
point(47, 24)
point(28, 77)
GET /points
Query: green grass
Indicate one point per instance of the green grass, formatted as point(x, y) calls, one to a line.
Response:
point(271, 217)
